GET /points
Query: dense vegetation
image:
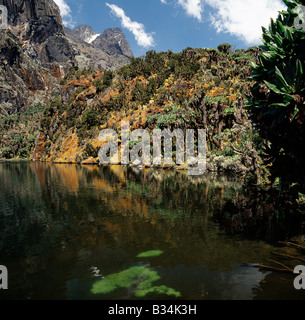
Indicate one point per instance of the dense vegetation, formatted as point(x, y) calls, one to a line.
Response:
point(278, 98)
point(197, 88)
point(18, 132)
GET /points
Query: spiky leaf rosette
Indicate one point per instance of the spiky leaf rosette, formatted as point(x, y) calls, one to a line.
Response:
point(278, 96)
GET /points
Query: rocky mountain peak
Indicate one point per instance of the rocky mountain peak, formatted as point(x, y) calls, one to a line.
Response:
point(109, 50)
point(85, 33)
point(113, 42)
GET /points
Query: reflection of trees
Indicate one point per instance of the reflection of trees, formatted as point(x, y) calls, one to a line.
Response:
point(71, 196)
point(118, 204)
point(63, 212)
point(55, 204)
point(20, 205)
point(255, 215)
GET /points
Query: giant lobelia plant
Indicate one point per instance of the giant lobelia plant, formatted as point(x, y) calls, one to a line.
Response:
point(277, 103)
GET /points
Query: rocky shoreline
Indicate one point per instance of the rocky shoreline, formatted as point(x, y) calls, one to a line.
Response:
point(217, 164)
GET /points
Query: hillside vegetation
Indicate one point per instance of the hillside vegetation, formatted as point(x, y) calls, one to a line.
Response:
point(197, 88)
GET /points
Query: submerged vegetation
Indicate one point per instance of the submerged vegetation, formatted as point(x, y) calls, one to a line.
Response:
point(89, 216)
point(138, 278)
point(149, 254)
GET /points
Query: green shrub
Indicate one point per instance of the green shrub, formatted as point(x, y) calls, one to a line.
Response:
point(90, 151)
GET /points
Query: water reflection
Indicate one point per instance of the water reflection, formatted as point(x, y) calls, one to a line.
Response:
point(60, 222)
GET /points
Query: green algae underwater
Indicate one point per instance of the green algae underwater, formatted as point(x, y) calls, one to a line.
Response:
point(139, 277)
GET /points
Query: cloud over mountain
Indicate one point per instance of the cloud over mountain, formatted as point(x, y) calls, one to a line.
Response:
point(143, 38)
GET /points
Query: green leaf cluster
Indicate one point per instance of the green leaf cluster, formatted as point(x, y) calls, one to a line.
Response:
point(278, 95)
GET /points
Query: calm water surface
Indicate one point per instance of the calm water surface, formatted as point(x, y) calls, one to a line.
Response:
point(65, 228)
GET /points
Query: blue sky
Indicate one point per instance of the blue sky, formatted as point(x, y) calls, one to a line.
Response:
point(161, 25)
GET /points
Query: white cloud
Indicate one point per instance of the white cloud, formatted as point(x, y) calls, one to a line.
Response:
point(143, 39)
point(244, 18)
point(65, 12)
point(193, 8)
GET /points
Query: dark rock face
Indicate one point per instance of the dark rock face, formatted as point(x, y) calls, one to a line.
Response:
point(21, 79)
point(113, 42)
point(37, 25)
point(34, 53)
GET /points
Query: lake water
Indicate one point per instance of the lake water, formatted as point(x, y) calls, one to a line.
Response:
point(86, 232)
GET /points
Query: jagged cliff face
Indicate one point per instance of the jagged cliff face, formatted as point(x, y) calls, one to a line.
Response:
point(22, 81)
point(34, 53)
point(37, 25)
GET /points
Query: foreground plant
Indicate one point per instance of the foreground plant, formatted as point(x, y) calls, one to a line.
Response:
point(278, 96)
